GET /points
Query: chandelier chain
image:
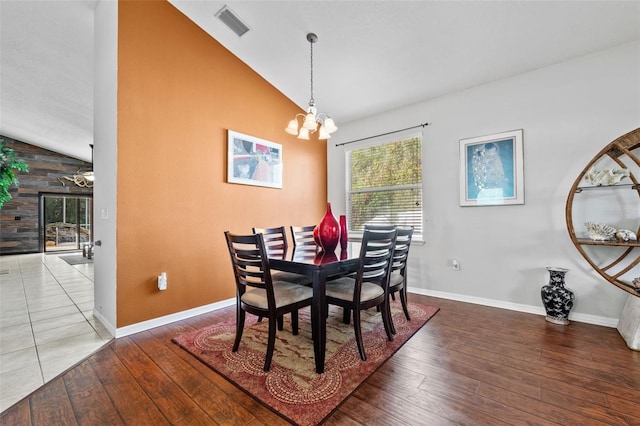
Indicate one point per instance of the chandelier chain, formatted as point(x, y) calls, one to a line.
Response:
point(311, 100)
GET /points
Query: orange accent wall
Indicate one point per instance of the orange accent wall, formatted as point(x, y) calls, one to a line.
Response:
point(179, 91)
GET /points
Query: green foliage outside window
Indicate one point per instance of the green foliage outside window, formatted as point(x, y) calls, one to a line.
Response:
point(386, 184)
point(393, 164)
point(9, 164)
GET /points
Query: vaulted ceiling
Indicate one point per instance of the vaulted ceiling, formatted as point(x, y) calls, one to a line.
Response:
point(371, 56)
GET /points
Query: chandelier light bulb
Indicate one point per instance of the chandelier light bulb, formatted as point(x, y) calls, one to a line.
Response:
point(330, 125)
point(323, 133)
point(304, 134)
point(310, 122)
point(292, 128)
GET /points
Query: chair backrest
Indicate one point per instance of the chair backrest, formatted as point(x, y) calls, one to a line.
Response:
point(401, 252)
point(303, 236)
point(250, 263)
point(275, 240)
point(376, 255)
point(403, 242)
point(379, 227)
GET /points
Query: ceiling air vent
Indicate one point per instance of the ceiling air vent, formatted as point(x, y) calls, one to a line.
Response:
point(231, 20)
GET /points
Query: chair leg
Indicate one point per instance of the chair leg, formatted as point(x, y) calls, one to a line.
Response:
point(403, 299)
point(271, 343)
point(387, 307)
point(239, 327)
point(346, 315)
point(358, 330)
point(281, 322)
point(386, 320)
point(294, 322)
point(260, 318)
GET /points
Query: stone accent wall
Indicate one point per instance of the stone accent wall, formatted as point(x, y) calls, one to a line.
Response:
point(19, 218)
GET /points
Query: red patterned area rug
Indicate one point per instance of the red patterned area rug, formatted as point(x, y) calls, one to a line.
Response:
point(292, 388)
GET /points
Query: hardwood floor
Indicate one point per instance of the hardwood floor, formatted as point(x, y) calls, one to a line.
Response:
point(469, 365)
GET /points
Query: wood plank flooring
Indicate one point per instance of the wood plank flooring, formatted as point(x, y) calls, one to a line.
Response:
point(469, 365)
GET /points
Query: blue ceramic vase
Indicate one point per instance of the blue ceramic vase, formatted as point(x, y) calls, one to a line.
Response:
point(556, 298)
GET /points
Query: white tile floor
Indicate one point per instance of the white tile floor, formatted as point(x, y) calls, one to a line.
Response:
point(46, 321)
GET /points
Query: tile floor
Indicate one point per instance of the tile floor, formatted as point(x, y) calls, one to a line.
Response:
point(46, 321)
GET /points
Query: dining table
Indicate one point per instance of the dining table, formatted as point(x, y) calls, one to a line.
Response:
point(318, 266)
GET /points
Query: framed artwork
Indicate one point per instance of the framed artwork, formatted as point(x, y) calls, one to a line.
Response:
point(253, 161)
point(491, 170)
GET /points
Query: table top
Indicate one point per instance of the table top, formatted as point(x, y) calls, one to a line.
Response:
point(305, 258)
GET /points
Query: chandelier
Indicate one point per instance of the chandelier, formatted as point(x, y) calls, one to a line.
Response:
point(312, 119)
point(81, 179)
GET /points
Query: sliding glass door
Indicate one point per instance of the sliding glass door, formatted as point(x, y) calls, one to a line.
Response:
point(66, 222)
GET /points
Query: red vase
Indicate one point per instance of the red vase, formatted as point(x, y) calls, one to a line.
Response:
point(328, 231)
point(344, 235)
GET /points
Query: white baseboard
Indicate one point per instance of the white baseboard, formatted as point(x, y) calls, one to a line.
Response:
point(167, 319)
point(110, 327)
point(537, 310)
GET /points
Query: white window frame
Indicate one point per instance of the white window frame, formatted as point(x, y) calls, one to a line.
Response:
point(396, 137)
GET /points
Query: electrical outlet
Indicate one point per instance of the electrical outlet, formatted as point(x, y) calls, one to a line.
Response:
point(455, 264)
point(162, 281)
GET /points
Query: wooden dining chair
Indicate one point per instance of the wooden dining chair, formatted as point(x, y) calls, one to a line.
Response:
point(275, 240)
point(398, 278)
point(302, 236)
point(369, 287)
point(258, 293)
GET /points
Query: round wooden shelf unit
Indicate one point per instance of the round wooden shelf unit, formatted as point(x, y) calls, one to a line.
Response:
point(623, 151)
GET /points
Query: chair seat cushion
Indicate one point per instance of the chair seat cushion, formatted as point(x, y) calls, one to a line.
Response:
point(396, 279)
point(290, 277)
point(285, 293)
point(342, 288)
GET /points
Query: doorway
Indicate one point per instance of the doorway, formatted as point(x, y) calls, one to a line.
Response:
point(66, 222)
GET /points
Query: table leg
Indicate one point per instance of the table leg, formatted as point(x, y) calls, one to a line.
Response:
point(319, 320)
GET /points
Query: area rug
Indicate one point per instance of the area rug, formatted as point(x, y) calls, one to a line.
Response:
point(292, 388)
point(76, 259)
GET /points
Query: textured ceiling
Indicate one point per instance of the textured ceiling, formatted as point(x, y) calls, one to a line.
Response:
point(371, 56)
point(46, 74)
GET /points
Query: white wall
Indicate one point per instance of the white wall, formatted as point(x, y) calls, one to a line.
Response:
point(105, 159)
point(568, 112)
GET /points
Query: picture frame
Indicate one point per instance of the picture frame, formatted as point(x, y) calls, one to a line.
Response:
point(253, 161)
point(491, 169)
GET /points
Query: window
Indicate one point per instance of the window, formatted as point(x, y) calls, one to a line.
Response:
point(384, 184)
